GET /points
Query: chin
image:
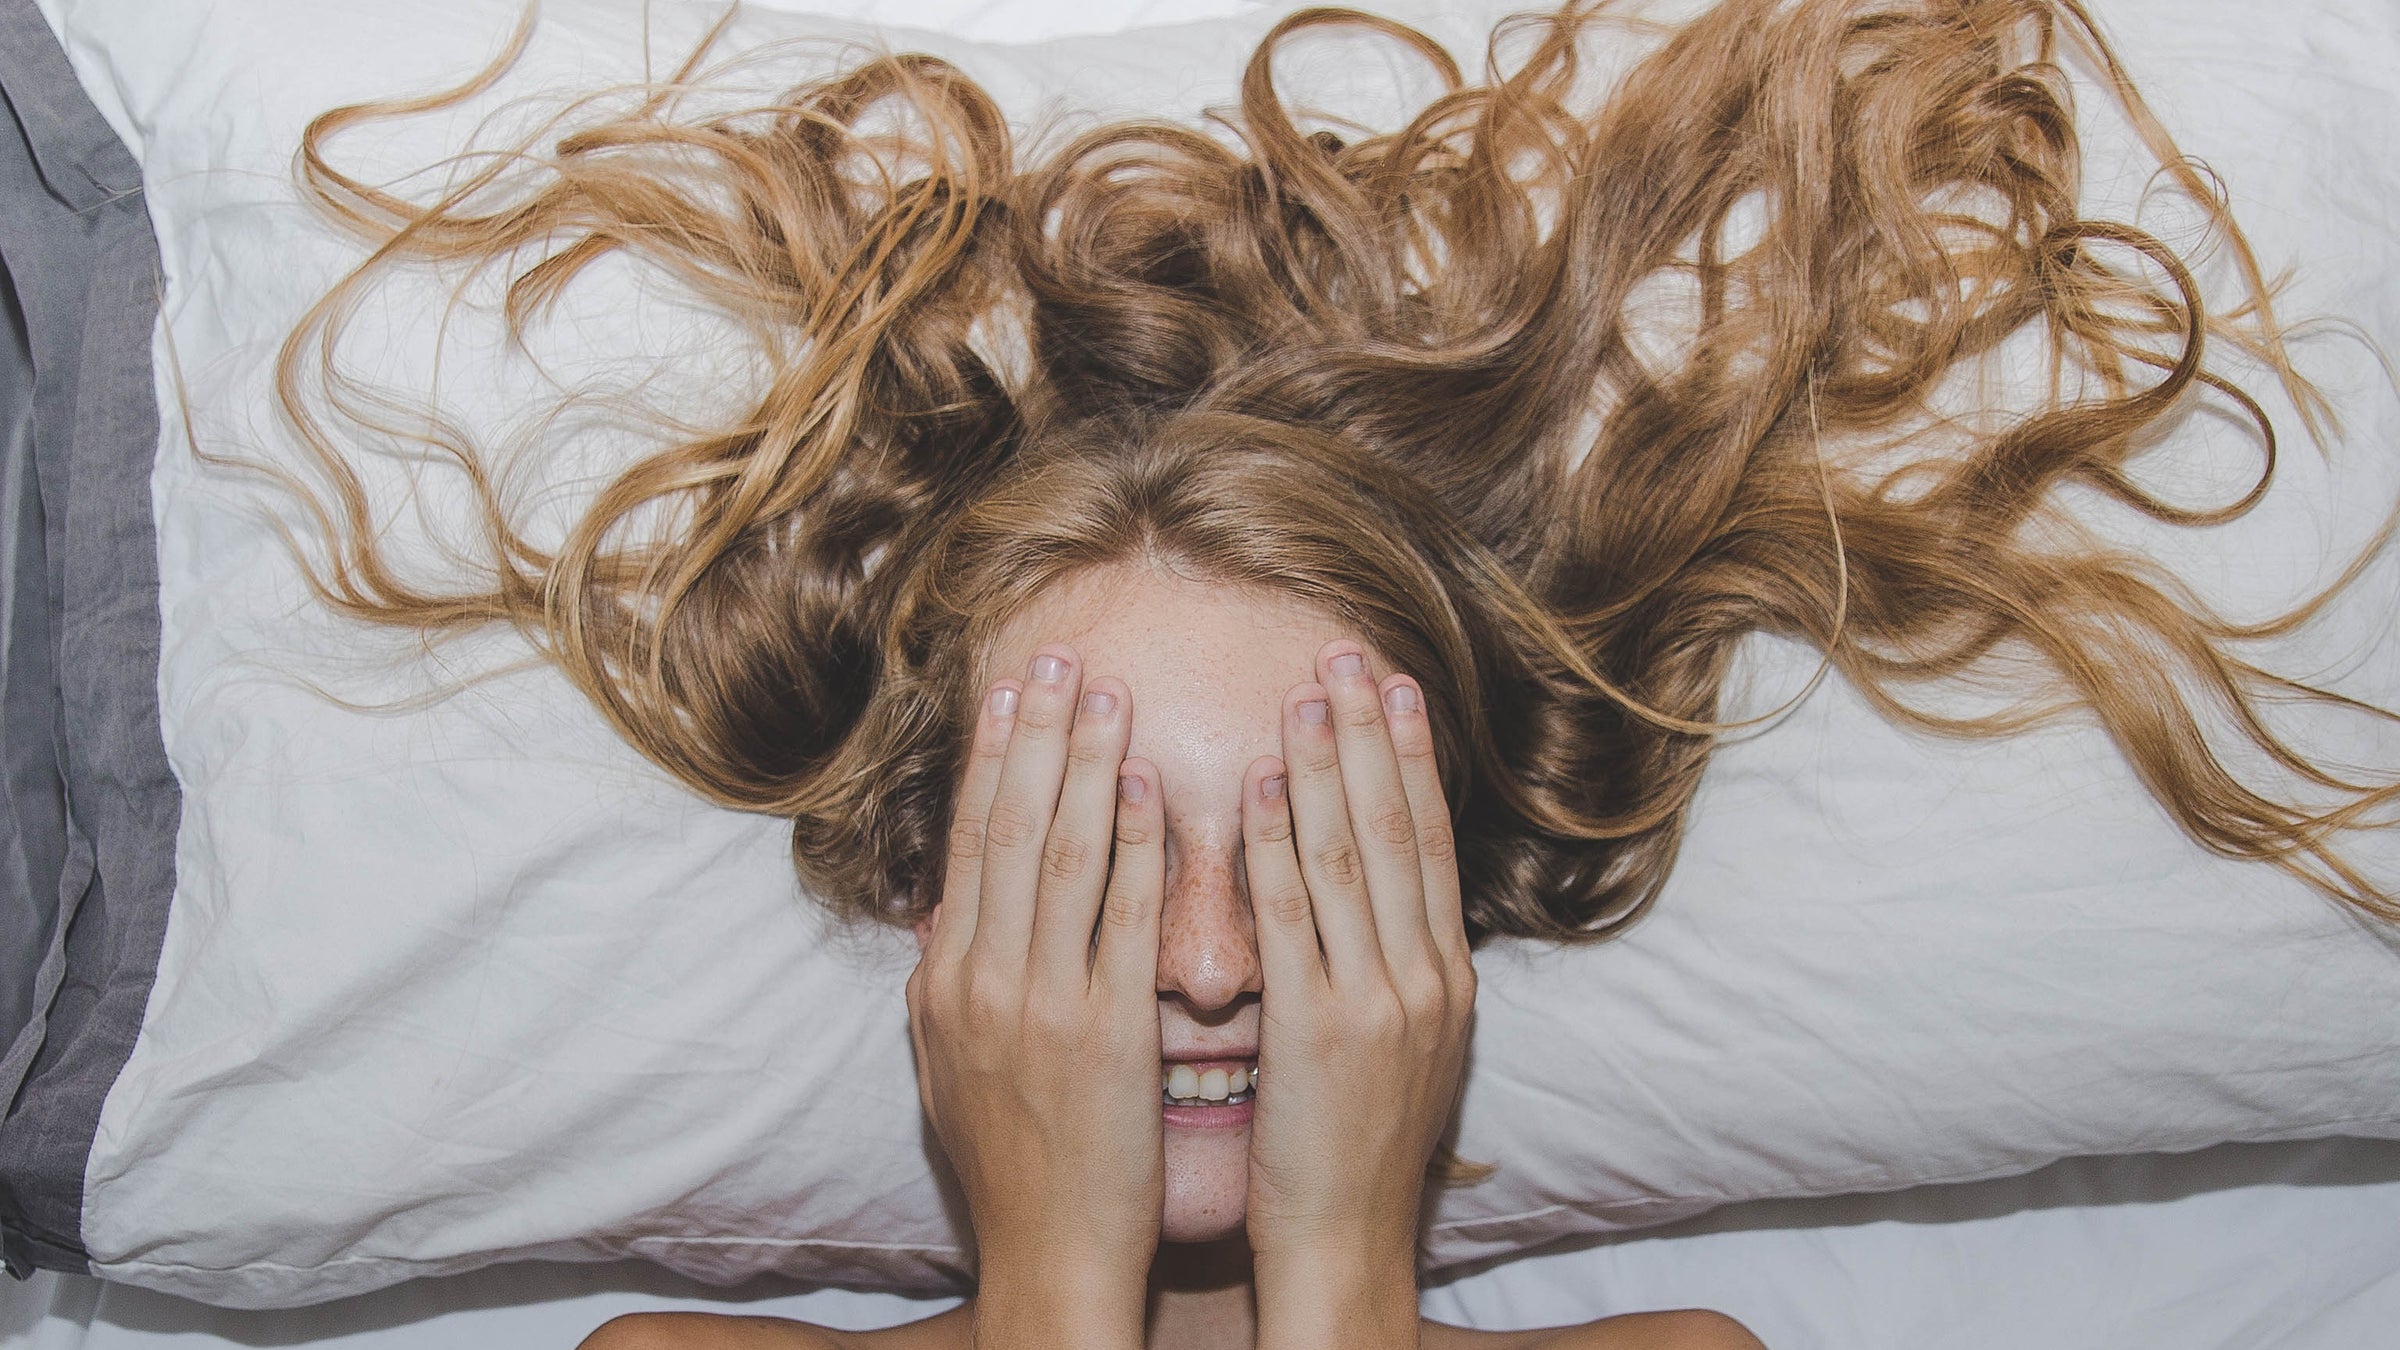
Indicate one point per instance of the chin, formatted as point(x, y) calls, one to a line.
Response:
point(1208, 1184)
point(1192, 1224)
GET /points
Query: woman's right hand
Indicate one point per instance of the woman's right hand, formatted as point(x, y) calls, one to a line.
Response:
point(1037, 1046)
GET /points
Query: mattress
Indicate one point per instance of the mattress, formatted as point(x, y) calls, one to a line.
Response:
point(2240, 1247)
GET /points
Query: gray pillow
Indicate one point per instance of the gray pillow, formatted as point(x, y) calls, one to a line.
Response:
point(88, 805)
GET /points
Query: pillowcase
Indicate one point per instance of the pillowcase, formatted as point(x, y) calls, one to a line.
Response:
point(466, 980)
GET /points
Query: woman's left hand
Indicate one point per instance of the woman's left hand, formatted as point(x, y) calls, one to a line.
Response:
point(1367, 1000)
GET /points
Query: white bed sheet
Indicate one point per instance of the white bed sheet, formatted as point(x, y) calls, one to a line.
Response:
point(2241, 1247)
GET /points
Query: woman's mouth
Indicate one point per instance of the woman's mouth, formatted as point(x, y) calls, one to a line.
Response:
point(1207, 1092)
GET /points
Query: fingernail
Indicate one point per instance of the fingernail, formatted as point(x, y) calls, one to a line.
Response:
point(1099, 703)
point(1313, 712)
point(1047, 669)
point(1004, 701)
point(1271, 786)
point(1349, 665)
point(1401, 698)
point(1132, 786)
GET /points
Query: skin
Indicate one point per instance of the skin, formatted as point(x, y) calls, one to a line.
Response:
point(1171, 869)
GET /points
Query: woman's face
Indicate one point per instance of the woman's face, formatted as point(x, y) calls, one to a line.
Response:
point(1207, 666)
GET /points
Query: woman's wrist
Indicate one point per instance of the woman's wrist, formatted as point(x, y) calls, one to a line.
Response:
point(1059, 1301)
point(1326, 1299)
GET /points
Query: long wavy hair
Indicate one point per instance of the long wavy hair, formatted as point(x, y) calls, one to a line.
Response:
point(1412, 376)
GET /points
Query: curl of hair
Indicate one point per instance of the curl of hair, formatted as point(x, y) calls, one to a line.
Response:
point(1398, 375)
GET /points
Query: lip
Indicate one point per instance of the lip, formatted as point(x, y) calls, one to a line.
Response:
point(1232, 1117)
point(1203, 1063)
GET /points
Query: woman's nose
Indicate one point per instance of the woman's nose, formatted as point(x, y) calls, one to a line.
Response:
point(1207, 945)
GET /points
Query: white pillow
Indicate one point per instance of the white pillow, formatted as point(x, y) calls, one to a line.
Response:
point(473, 982)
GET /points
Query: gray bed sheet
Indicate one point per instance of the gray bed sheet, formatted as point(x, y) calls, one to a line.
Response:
point(88, 804)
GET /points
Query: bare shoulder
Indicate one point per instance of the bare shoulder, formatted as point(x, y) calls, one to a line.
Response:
point(707, 1331)
point(1683, 1329)
point(718, 1331)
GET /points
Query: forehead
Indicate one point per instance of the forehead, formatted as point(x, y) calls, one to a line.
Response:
point(1207, 666)
point(1166, 634)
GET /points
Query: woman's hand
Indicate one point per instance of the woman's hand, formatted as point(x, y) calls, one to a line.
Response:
point(1037, 1046)
point(1368, 996)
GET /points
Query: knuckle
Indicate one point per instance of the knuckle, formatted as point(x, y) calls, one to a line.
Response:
point(1132, 830)
point(1066, 858)
point(1042, 716)
point(1321, 759)
point(930, 980)
point(1423, 994)
point(1437, 841)
point(983, 999)
point(1090, 750)
point(1461, 979)
point(1391, 824)
point(966, 839)
point(1125, 907)
point(1339, 863)
point(1271, 829)
point(1009, 826)
point(1379, 1016)
point(1289, 905)
point(1364, 715)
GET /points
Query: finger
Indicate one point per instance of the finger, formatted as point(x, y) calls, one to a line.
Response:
point(1022, 807)
point(1075, 857)
point(916, 996)
point(962, 878)
point(1380, 819)
point(1126, 962)
point(1437, 847)
point(1288, 950)
point(1330, 860)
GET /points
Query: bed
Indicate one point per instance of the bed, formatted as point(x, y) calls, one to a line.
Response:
point(2275, 1027)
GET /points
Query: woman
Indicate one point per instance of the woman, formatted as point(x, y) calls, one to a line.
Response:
point(1335, 967)
point(1203, 422)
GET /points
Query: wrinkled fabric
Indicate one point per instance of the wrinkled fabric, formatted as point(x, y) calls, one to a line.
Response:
point(2241, 1247)
point(88, 806)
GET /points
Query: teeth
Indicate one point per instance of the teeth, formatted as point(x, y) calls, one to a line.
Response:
point(1183, 1085)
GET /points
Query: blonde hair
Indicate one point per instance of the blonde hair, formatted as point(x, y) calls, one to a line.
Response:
point(1398, 375)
